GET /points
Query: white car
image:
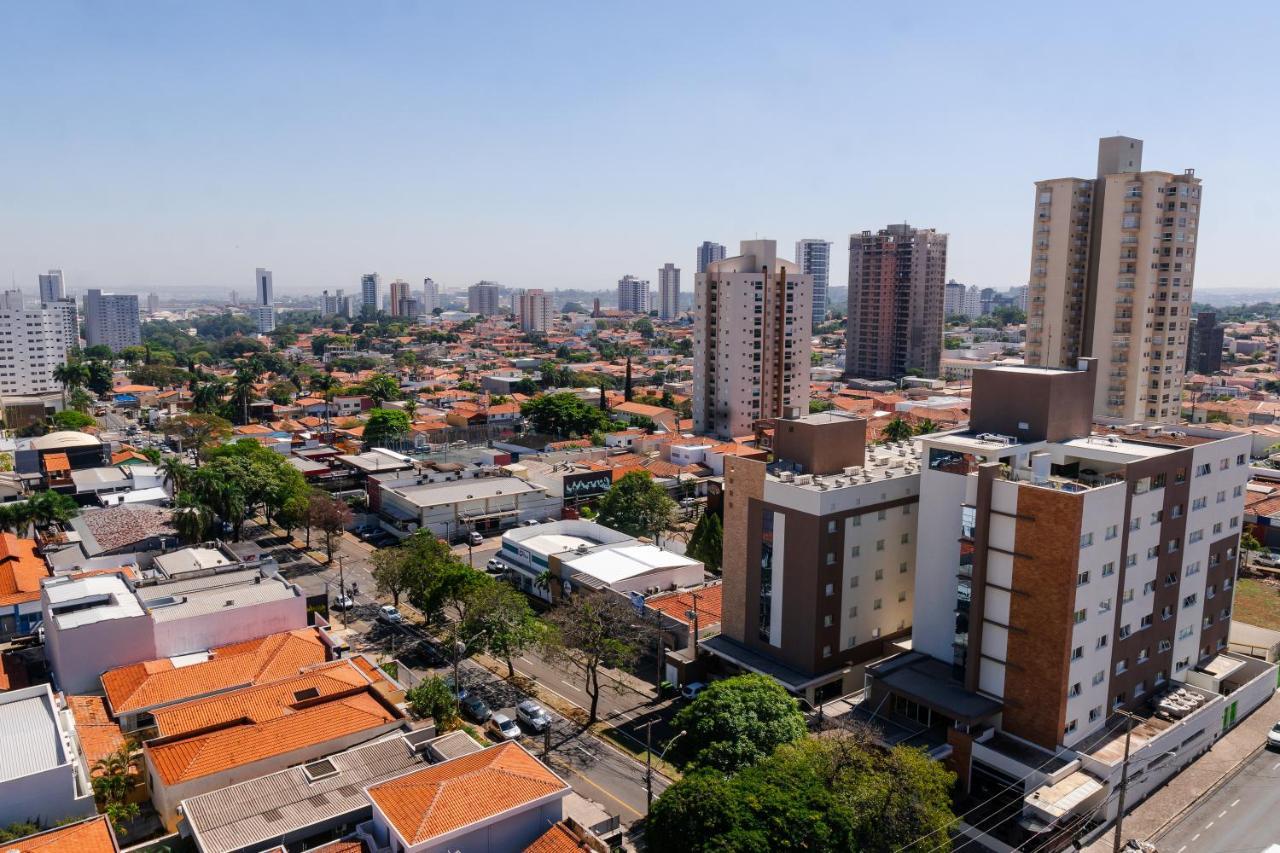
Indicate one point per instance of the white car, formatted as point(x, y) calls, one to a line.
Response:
point(475, 539)
point(501, 727)
point(532, 715)
point(388, 614)
point(692, 689)
point(1273, 737)
point(343, 602)
point(1270, 560)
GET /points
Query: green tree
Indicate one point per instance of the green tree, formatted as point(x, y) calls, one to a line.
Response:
point(100, 376)
point(71, 419)
point(816, 406)
point(113, 777)
point(71, 375)
point(281, 393)
point(592, 631)
point(391, 572)
point(637, 505)
point(738, 721)
point(384, 427)
point(925, 426)
point(192, 518)
point(432, 698)
point(48, 507)
point(502, 620)
point(563, 415)
point(897, 430)
point(198, 432)
point(707, 541)
point(380, 388)
point(330, 516)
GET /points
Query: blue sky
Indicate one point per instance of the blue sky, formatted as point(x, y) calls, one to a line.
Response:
point(153, 145)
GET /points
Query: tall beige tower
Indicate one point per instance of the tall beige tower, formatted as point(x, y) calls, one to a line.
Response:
point(1112, 267)
point(753, 324)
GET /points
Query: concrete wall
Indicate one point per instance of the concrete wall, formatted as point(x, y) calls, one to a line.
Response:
point(514, 832)
point(79, 656)
point(45, 798)
point(182, 636)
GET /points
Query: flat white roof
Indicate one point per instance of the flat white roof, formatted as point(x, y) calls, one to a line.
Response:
point(114, 600)
point(555, 543)
point(616, 564)
point(191, 560)
point(460, 491)
point(30, 740)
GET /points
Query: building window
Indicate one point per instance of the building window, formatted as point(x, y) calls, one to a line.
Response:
point(831, 526)
point(853, 612)
point(1099, 677)
point(830, 590)
point(855, 551)
point(1086, 540)
point(906, 538)
point(1109, 568)
point(826, 651)
point(1113, 531)
point(875, 605)
point(1077, 653)
point(902, 595)
point(1102, 642)
point(879, 544)
point(826, 621)
point(1094, 714)
point(1074, 691)
point(1082, 579)
point(902, 568)
point(831, 558)
point(1081, 615)
point(853, 582)
point(1071, 727)
point(879, 574)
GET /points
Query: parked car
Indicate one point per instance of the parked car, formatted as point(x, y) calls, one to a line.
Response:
point(475, 708)
point(1273, 737)
point(387, 613)
point(530, 522)
point(475, 538)
point(692, 689)
point(532, 715)
point(1270, 560)
point(501, 727)
point(343, 602)
point(495, 567)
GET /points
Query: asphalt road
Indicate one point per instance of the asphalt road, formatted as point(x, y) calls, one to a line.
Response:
point(1240, 818)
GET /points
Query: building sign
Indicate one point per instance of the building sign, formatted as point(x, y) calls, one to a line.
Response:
point(587, 484)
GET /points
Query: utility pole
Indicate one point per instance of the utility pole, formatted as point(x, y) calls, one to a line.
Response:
point(342, 590)
point(1124, 780)
point(648, 766)
point(694, 613)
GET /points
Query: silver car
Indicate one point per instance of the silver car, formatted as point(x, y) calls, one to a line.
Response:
point(501, 727)
point(532, 715)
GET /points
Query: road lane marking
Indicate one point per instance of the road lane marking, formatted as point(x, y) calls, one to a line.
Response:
point(1233, 805)
point(1209, 825)
point(567, 684)
point(1276, 766)
point(1183, 847)
point(1222, 813)
point(1195, 837)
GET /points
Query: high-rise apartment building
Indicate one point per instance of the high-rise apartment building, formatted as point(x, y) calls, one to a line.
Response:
point(337, 303)
point(52, 286)
point(482, 298)
point(264, 289)
point(668, 291)
point(819, 553)
point(896, 293)
point(430, 296)
point(633, 295)
point(708, 254)
point(534, 310)
point(1069, 571)
point(1112, 266)
point(1204, 344)
point(814, 258)
point(111, 319)
point(153, 303)
point(370, 284)
point(752, 340)
point(32, 345)
point(68, 321)
point(265, 318)
point(401, 303)
point(953, 299)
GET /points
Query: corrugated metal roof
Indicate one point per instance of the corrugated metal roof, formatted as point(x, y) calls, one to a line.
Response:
point(29, 738)
point(265, 808)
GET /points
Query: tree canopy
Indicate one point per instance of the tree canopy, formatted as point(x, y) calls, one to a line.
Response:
point(637, 505)
point(385, 426)
point(563, 415)
point(706, 543)
point(736, 722)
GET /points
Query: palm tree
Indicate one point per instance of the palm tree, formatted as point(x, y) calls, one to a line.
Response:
point(207, 397)
point(543, 580)
point(73, 374)
point(242, 390)
point(326, 385)
point(177, 474)
point(192, 518)
point(381, 388)
point(896, 430)
point(49, 507)
point(924, 426)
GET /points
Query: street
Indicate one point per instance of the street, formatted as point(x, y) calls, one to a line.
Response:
point(597, 770)
point(1241, 817)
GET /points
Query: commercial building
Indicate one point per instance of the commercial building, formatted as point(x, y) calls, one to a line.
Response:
point(752, 339)
point(263, 287)
point(896, 302)
point(210, 743)
point(1204, 344)
point(534, 310)
point(668, 291)
point(450, 510)
point(633, 295)
point(111, 320)
point(52, 286)
point(581, 556)
point(1069, 572)
point(100, 622)
point(482, 298)
point(819, 554)
point(33, 343)
point(370, 284)
point(1112, 266)
point(708, 254)
point(42, 778)
point(814, 258)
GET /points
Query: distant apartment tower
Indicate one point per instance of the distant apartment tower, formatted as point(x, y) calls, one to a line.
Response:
point(1204, 344)
point(370, 283)
point(401, 303)
point(52, 286)
point(32, 345)
point(668, 291)
point(896, 292)
point(752, 340)
point(111, 320)
point(68, 321)
point(534, 310)
point(819, 554)
point(262, 282)
point(1112, 267)
point(338, 303)
point(708, 254)
point(953, 299)
point(482, 298)
point(1066, 573)
point(153, 303)
point(633, 295)
point(264, 316)
point(430, 296)
point(814, 258)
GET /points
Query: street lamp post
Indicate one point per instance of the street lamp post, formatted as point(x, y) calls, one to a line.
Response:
point(648, 761)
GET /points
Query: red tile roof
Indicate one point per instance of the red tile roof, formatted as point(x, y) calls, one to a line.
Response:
point(677, 604)
point(447, 797)
point(89, 836)
point(558, 839)
point(99, 734)
point(21, 570)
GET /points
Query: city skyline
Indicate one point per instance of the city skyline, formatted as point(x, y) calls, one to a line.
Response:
point(265, 103)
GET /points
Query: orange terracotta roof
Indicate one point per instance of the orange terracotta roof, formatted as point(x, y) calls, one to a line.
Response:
point(185, 757)
point(57, 462)
point(99, 734)
point(558, 839)
point(21, 570)
point(446, 797)
point(677, 604)
point(134, 389)
point(261, 702)
point(155, 683)
point(127, 455)
point(90, 836)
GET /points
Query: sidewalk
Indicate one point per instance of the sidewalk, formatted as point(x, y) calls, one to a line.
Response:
point(1186, 788)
